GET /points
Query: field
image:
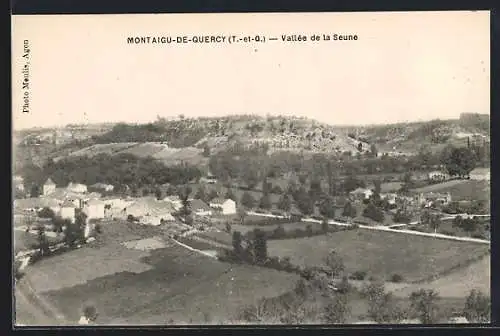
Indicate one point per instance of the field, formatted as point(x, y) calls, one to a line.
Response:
point(461, 189)
point(460, 282)
point(103, 149)
point(144, 149)
point(381, 254)
point(169, 283)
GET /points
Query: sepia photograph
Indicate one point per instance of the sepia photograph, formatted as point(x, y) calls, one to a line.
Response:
point(251, 169)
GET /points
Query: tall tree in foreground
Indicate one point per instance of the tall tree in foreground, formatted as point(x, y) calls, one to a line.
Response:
point(237, 240)
point(260, 246)
point(424, 303)
point(478, 307)
point(335, 263)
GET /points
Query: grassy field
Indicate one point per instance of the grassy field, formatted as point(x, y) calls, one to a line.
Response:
point(381, 254)
point(461, 189)
point(169, 283)
point(459, 283)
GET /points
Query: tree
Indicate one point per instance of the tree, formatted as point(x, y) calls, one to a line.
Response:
point(381, 305)
point(374, 213)
point(46, 213)
point(377, 187)
point(327, 207)
point(434, 222)
point(241, 215)
point(338, 310)
point(309, 230)
point(260, 246)
point(201, 193)
point(424, 303)
point(360, 147)
point(402, 216)
point(158, 194)
point(237, 240)
point(34, 191)
point(206, 150)
point(469, 225)
point(284, 203)
point(324, 225)
point(349, 210)
point(43, 243)
point(213, 194)
point(265, 202)
point(335, 263)
point(228, 227)
point(229, 194)
point(459, 161)
point(247, 200)
point(477, 307)
point(373, 151)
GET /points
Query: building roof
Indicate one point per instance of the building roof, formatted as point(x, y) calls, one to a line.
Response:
point(34, 202)
point(100, 185)
point(63, 194)
point(68, 204)
point(219, 200)
point(49, 182)
point(94, 202)
point(199, 205)
point(149, 205)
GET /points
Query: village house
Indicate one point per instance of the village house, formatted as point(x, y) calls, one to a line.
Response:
point(94, 209)
point(200, 208)
point(68, 210)
point(48, 187)
point(361, 193)
point(77, 187)
point(480, 174)
point(151, 211)
point(225, 206)
point(433, 199)
point(391, 198)
point(438, 175)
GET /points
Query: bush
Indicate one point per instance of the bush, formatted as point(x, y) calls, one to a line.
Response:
point(98, 228)
point(448, 233)
point(358, 275)
point(396, 278)
point(478, 236)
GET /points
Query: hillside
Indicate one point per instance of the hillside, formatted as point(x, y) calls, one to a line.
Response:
point(407, 137)
point(193, 140)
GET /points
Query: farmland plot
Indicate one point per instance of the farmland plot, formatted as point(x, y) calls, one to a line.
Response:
point(180, 285)
point(381, 254)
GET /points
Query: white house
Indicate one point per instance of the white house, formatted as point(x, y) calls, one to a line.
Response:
point(68, 210)
point(480, 174)
point(48, 187)
point(94, 209)
point(226, 206)
point(77, 187)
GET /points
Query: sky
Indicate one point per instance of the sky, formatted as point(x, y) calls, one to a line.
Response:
point(403, 67)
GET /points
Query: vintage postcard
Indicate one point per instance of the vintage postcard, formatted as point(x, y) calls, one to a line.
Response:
point(246, 169)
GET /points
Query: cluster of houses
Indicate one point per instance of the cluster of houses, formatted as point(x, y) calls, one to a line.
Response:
point(64, 202)
point(418, 199)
